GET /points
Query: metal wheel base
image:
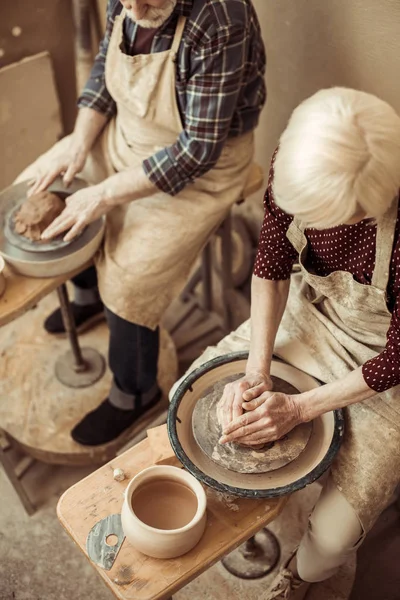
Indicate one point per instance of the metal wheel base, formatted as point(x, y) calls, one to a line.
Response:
point(85, 374)
point(255, 558)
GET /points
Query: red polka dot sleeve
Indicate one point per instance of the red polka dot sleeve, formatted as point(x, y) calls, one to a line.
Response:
point(275, 254)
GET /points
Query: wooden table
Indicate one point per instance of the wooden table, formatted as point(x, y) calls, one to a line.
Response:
point(230, 522)
point(22, 292)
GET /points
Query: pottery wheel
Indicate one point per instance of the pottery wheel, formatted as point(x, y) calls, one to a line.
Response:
point(238, 458)
point(20, 241)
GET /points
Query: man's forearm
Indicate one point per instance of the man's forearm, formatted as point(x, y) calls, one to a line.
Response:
point(88, 126)
point(268, 301)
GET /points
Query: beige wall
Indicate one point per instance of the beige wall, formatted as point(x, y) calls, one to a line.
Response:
point(312, 44)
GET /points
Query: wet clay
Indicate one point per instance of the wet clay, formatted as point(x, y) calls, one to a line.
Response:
point(36, 214)
point(164, 504)
point(236, 457)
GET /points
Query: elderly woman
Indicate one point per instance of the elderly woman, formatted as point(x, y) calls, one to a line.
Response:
point(331, 205)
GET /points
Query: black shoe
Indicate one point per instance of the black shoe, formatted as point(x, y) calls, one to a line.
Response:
point(85, 318)
point(106, 422)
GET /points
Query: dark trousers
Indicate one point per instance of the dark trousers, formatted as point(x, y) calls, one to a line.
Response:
point(133, 349)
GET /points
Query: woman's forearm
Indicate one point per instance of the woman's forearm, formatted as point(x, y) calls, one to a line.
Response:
point(349, 390)
point(268, 301)
point(88, 126)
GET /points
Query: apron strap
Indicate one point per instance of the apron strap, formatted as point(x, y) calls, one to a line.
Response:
point(385, 231)
point(178, 35)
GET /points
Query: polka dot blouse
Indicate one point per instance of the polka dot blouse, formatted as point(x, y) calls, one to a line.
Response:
point(345, 248)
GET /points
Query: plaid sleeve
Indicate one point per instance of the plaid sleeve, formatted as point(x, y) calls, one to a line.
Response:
point(95, 94)
point(212, 89)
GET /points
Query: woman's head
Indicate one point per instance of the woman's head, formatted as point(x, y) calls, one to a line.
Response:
point(338, 158)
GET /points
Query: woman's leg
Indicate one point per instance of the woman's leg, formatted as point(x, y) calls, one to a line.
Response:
point(334, 533)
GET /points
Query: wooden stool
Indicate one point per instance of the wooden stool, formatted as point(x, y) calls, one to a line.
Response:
point(193, 320)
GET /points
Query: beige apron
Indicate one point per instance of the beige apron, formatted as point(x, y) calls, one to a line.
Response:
point(151, 244)
point(331, 326)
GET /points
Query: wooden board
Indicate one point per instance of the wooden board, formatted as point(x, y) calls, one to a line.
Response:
point(230, 521)
point(30, 121)
point(37, 410)
point(22, 293)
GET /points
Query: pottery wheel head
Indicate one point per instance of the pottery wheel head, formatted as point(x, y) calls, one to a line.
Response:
point(238, 458)
point(23, 243)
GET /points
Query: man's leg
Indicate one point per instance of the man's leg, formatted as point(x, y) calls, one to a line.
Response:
point(334, 533)
point(133, 358)
point(87, 308)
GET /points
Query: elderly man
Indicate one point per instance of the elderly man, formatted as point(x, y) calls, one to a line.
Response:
point(332, 204)
point(164, 135)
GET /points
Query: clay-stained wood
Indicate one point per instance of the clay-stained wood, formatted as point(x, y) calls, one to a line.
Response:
point(230, 521)
point(30, 120)
point(38, 411)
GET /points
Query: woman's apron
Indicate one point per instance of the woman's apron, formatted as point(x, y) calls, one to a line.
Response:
point(151, 244)
point(331, 326)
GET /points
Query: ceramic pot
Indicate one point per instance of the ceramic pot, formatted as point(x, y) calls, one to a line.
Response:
point(2, 277)
point(164, 512)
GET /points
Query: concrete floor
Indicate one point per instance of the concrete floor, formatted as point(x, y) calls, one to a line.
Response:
point(38, 561)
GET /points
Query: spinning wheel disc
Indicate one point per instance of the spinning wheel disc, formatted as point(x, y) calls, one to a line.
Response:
point(238, 458)
point(318, 454)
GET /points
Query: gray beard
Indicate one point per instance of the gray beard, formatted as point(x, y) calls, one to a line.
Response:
point(155, 17)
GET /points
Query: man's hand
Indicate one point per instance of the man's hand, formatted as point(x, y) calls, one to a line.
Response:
point(245, 389)
point(267, 418)
point(82, 208)
point(68, 164)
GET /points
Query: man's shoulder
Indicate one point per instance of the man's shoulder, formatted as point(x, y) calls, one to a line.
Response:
point(223, 14)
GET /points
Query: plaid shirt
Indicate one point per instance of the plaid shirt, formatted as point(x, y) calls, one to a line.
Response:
point(219, 84)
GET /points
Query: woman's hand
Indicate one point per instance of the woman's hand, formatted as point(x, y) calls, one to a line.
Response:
point(82, 208)
point(70, 162)
point(267, 418)
point(245, 389)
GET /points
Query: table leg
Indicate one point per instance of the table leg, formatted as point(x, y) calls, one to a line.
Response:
point(14, 477)
point(79, 367)
point(255, 558)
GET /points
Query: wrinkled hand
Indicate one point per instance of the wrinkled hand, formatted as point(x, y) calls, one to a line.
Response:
point(266, 419)
point(82, 208)
point(245, 389)
point(68, 163)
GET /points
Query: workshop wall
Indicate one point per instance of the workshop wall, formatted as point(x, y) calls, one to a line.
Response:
point(27, 28)
point(313, 44)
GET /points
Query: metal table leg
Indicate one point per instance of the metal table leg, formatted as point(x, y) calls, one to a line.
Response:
point(255, 558)
point(79, 367)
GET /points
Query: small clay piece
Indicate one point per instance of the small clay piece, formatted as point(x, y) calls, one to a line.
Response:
point(237, 457)
point(36, 214)
point(119, 475)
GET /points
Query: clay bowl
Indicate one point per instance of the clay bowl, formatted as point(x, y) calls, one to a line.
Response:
point(323, 445)
point(164, 512)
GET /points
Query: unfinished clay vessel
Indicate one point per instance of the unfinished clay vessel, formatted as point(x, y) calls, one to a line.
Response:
point(164, 512)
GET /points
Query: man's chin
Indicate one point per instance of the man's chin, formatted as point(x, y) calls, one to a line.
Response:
point(154, 22)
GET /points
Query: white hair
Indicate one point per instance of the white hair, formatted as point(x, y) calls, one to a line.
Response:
point(338, 157)
point(155, 17)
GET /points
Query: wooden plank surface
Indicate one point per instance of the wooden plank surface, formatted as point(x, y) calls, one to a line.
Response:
point(22, 292)
point(134, 576)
